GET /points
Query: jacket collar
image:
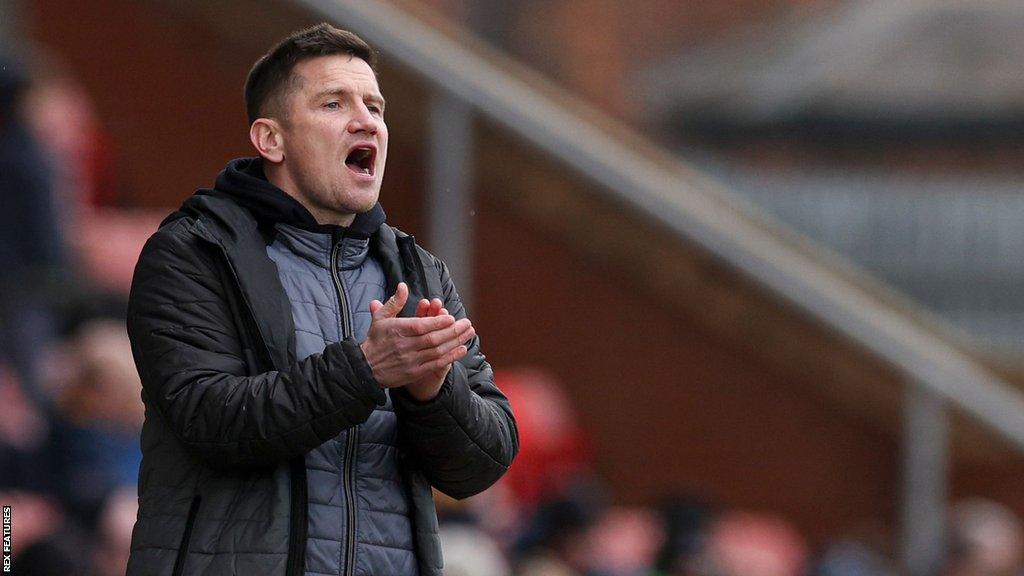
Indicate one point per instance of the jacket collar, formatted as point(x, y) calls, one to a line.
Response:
point(223, 222)
point(232, 228)
point(402, 261)
point(244, 181)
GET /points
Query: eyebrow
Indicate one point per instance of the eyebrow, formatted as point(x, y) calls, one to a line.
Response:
point(334, 91)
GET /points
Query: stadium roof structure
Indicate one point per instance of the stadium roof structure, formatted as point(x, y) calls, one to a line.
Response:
point(952, 61)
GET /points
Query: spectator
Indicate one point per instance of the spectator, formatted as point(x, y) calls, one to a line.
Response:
point(553, 448)
point(985, 539)
point(686, 525)
point(31, 247)
point(114, 532)
point(468, 548)
point(23, 435)
point(852, 558)
point(38, 519)
point(557, 540)
point(469, 551)
point(99, 416)
point(748, 544)
point(625, 542)
point(61, 116)
point(865, 551)
point(59, 553)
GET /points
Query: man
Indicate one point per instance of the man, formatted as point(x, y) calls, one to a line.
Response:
point(32, 251)
point(294, 423)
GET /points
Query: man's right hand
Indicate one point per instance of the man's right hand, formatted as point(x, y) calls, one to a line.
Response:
point(405, 350)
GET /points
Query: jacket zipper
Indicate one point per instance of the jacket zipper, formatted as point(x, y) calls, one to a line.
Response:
point(352, 438)
point(346, 328)
point(179, 562)
point(350, 500)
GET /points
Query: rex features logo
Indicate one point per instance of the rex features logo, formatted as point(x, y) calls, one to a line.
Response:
point(7, 538)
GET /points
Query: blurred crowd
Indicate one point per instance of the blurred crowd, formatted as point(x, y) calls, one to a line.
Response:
point(71, 410)
point(69, 393)
point(553, 515)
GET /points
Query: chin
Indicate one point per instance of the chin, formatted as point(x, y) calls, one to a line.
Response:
point(366, 207)
point(355, 202)
point(368, 203)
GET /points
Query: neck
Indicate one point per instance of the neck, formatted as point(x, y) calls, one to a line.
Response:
point(283, 180)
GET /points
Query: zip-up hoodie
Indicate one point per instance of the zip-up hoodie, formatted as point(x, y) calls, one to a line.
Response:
point(231, 413)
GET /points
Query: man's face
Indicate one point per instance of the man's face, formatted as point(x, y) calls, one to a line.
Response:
point(335, 142)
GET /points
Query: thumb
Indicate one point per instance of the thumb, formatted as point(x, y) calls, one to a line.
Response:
point(394, 305)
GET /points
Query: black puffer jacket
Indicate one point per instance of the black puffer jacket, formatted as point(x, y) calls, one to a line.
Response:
point(230, 412)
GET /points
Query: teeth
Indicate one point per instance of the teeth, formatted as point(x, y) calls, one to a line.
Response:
point(360, 160)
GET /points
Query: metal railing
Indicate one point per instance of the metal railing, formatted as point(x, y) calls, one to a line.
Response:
point(938, 374)
point(952, 243)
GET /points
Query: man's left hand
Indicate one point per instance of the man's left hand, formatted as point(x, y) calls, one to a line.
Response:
point(427, 388)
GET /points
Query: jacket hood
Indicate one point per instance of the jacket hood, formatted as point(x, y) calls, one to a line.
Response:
point(244, 182)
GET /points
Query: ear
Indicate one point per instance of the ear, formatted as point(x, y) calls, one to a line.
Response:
point(266, 136)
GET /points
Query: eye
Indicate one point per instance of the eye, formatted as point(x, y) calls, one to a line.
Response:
point(332, 105)
point(375, 109)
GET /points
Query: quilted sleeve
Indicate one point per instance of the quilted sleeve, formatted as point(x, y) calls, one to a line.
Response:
point(189, 356)
point(465, 438)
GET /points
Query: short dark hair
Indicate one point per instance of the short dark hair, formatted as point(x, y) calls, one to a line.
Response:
point(272, 76)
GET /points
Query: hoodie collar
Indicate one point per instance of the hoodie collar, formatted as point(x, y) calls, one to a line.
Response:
point(244, 182)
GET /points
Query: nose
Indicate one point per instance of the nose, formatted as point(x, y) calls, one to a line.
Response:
point(363, 121)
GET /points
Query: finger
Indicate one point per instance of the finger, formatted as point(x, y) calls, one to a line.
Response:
point(458, 333)
point(435, 306)
point(412, 327)
point(453, 356)
point(423, 308)
point(374, 306)
point(438, 367)
point(394, 305)
point(459, 339)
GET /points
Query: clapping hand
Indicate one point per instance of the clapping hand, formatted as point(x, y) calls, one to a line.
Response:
point(414, 352)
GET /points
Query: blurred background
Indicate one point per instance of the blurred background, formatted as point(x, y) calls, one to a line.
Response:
point(750, 270)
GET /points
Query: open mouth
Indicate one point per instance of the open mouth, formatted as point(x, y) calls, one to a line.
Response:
point(361, 160)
